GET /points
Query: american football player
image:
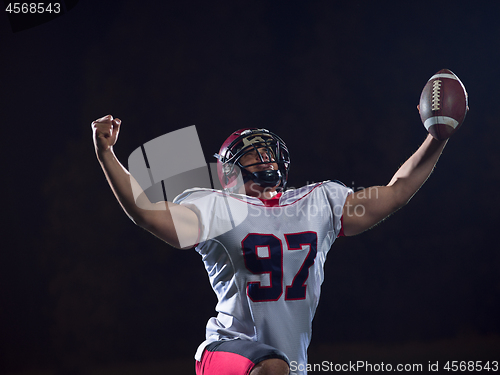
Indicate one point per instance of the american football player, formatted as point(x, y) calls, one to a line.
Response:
point(263, 245)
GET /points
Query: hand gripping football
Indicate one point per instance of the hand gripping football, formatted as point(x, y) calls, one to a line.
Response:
point(443, 104)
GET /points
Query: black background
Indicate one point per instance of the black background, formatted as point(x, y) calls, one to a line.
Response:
point(83, 289)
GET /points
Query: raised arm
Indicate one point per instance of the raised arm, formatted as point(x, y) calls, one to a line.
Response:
point(157, 218)
point(365, 208)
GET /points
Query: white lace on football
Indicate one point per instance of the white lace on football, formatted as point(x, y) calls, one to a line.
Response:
point(436, 91)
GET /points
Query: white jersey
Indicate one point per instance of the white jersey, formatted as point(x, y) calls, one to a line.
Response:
point(265, 264)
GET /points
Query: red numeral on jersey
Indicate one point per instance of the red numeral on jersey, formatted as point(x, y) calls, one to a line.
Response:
point(263, 254)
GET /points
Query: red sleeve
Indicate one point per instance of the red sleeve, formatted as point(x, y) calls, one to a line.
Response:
point(341, 233)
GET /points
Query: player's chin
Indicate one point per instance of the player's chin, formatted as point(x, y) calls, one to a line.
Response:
point(268, 167)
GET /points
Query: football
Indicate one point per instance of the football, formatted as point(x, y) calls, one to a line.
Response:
point(443, 104)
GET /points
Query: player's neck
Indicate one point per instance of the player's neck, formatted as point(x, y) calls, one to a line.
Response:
point(254, 190)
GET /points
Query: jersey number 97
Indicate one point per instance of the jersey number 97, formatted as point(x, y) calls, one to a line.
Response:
point(263, 254)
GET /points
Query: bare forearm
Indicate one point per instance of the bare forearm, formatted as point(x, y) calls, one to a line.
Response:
point(378, 202)
point(415, 171)
point(124, 186)
point(158, 218)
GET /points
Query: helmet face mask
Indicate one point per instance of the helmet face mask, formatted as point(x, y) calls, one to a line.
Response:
point(261, 141)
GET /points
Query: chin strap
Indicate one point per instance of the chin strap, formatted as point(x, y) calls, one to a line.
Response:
point(266, 178)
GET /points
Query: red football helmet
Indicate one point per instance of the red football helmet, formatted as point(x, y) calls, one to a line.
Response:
point(243, 141)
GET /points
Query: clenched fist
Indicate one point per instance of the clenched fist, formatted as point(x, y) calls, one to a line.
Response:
point(106, 131)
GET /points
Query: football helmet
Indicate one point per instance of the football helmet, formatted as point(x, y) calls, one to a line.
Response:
point(243, 141)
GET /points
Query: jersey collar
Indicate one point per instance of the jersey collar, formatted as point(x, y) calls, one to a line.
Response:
point(273, 202)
